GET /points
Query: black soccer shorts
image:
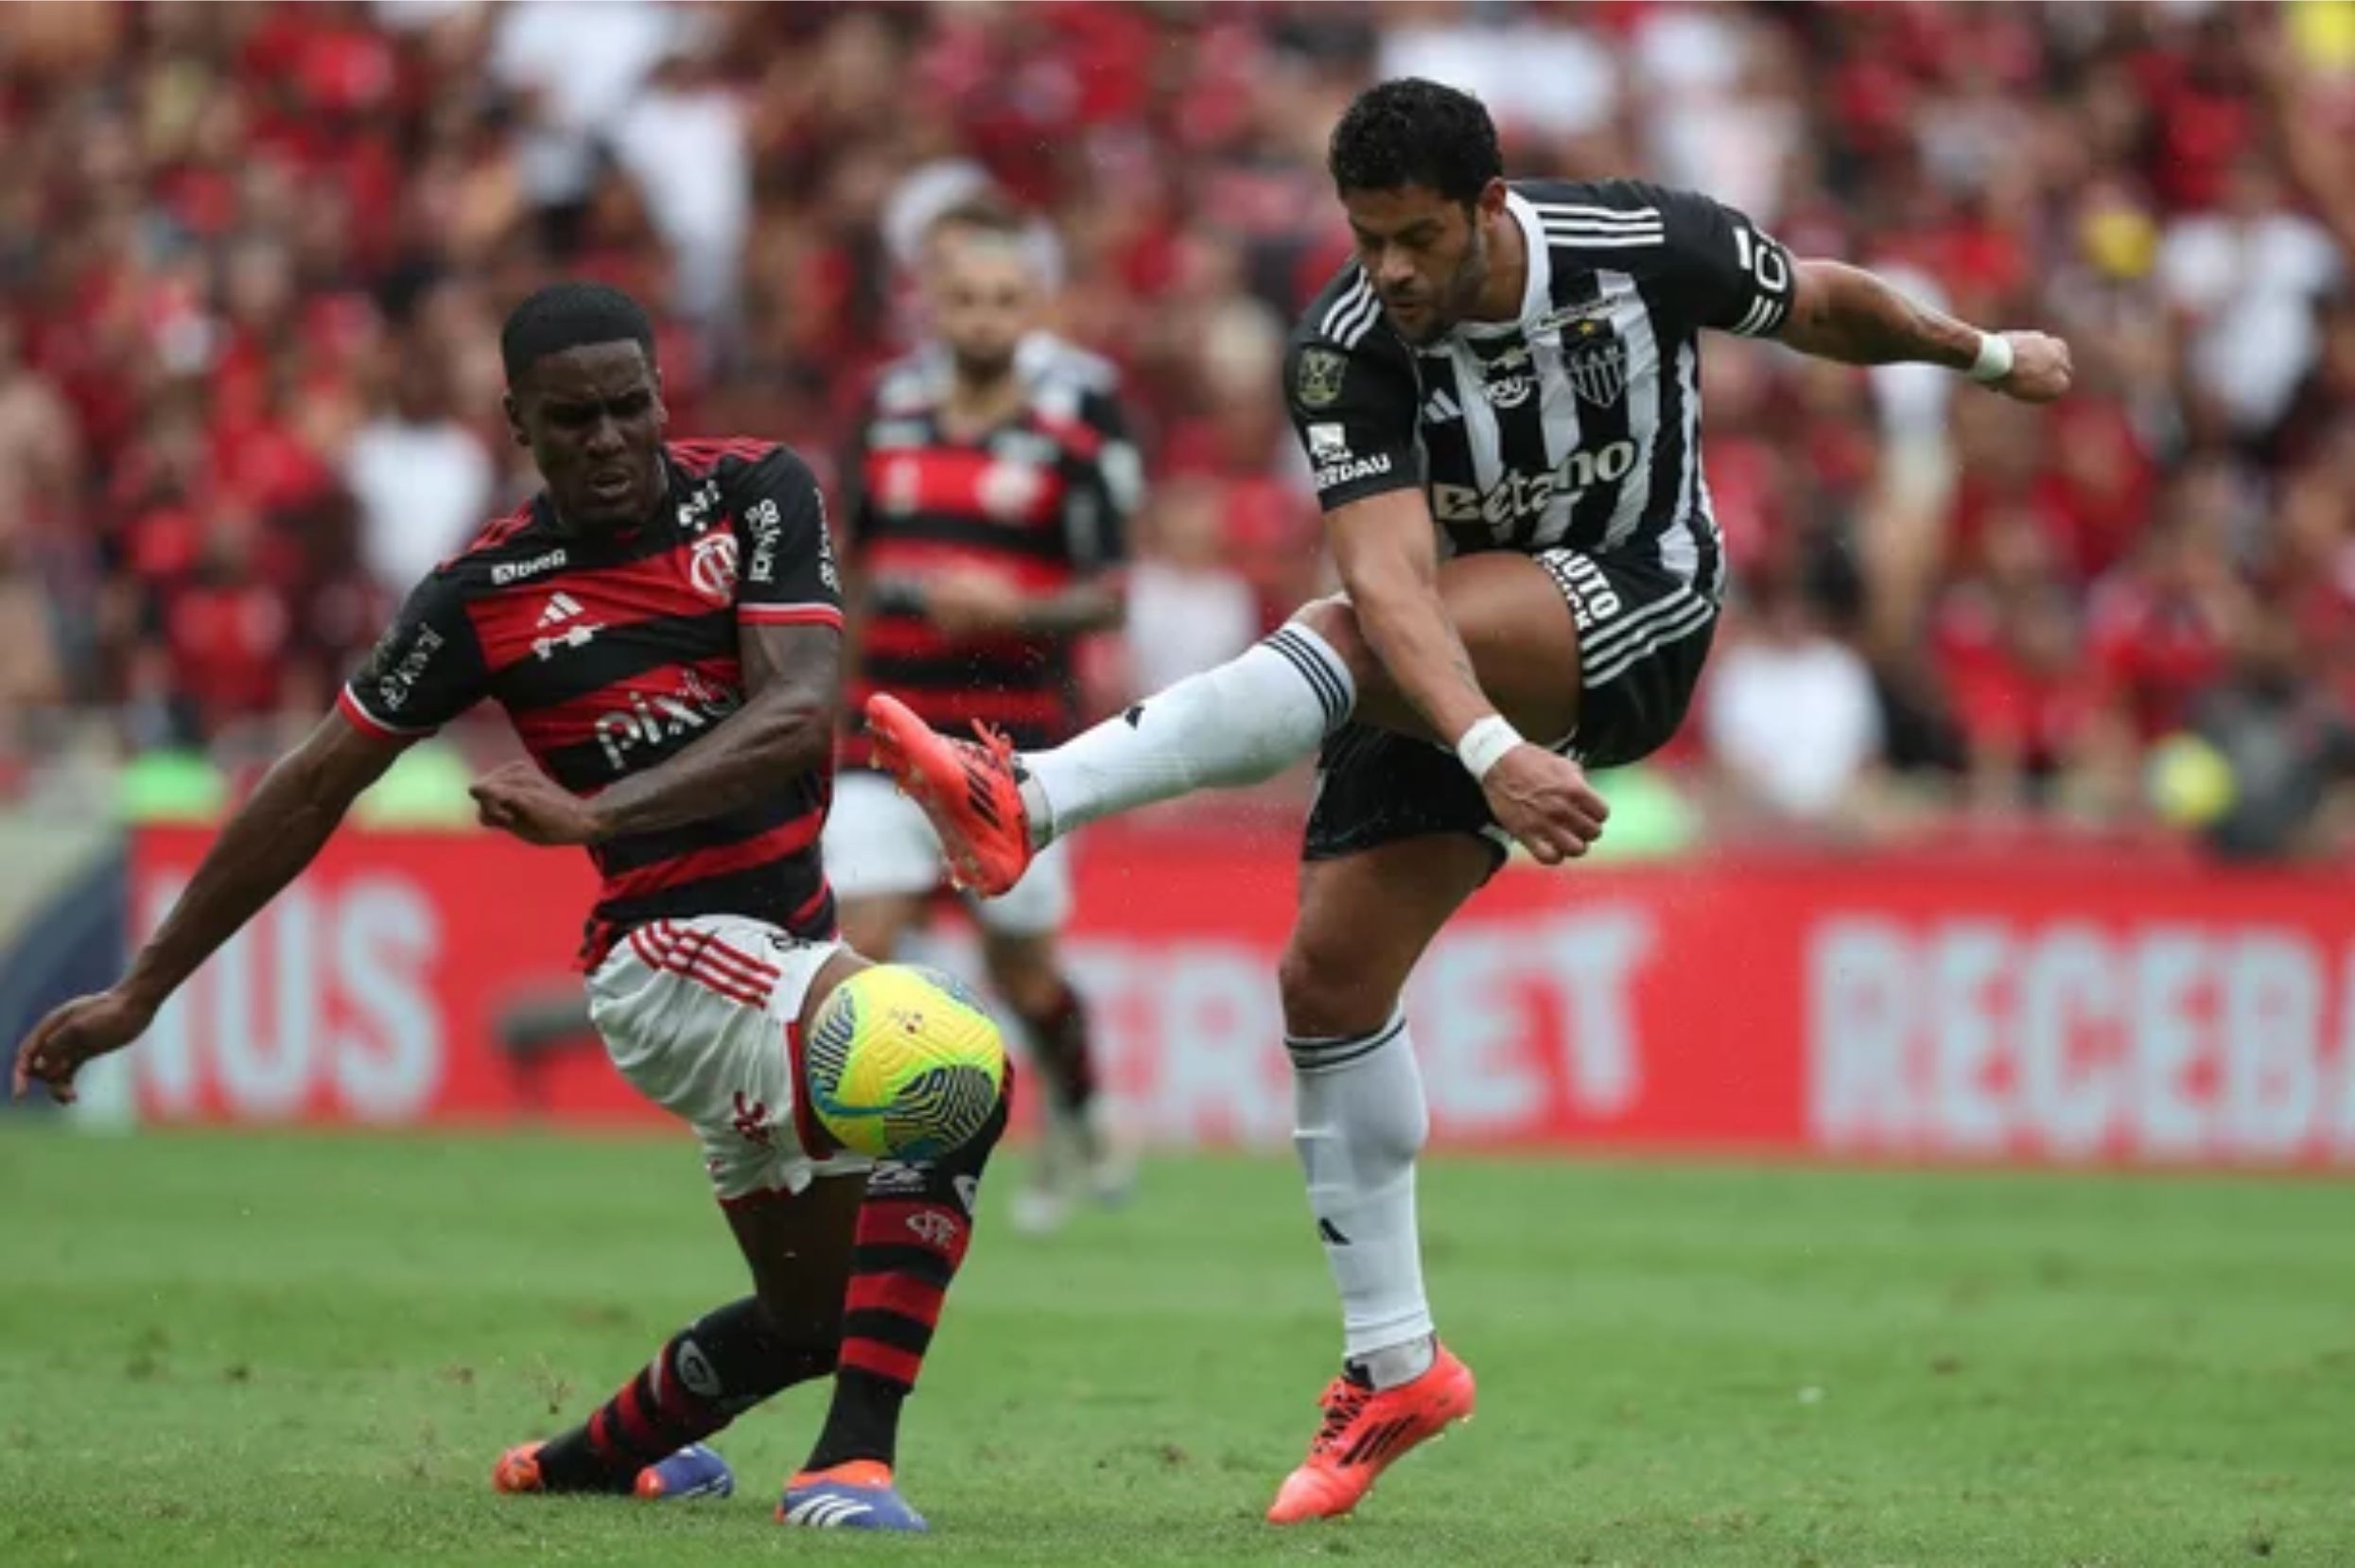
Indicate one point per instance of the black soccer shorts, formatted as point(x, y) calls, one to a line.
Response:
point(1643, 636)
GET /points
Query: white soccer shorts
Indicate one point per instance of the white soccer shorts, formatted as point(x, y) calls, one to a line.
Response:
point(878, 844)
point(694, 1015)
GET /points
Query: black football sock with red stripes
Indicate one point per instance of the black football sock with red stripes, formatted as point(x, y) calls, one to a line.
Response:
point(710, 1373)
point(1060, 1035)
point(910, 1235)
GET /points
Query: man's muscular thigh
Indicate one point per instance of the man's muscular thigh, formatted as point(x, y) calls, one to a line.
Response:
point(1514, 623)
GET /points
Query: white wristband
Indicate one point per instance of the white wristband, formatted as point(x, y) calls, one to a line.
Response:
point(1995, 359)
point(1484, 745)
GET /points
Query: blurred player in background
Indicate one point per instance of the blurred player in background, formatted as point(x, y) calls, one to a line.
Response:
point(1512, 369)
point(662, 624)
point(988, 496)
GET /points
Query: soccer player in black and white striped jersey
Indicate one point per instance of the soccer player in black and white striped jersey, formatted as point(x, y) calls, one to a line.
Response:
point(1499, 402)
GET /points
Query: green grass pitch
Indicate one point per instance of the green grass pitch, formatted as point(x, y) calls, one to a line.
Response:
point(279, 1349)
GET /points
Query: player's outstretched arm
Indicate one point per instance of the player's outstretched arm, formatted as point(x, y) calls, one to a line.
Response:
point(1846, 313)
point(785, 728)
point(264, 845)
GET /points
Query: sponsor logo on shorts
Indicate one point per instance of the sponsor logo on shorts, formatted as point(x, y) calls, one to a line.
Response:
point(1593, 599)
point(750, 1121)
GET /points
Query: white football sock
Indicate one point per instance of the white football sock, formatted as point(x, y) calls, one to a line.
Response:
point(1359, 1120)
point(1240, 724)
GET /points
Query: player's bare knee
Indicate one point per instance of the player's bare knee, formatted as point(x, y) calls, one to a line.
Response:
point(1335, 619)
point(1325, 994)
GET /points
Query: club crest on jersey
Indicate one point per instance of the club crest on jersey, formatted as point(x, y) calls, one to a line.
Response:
point(711, 568)
point(1319, 378)
point(1596, 363)
point(1008, 489)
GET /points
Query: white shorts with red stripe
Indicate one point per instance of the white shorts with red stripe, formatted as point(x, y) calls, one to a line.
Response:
point(694, 1014)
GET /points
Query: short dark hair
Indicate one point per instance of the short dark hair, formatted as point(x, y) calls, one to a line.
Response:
point(1409, 131)
point(571, 315)
point(984, 212)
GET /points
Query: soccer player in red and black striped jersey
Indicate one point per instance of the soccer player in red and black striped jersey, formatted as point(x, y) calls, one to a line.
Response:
point(988, 494)
point(662, 625)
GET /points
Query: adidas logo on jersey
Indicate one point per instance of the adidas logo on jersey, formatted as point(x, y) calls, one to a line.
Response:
point(1440, 408)
point(558, 628)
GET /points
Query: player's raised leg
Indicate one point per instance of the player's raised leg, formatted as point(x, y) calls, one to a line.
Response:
point(1359, 1123)
point(1240, 724)
point(647, 1438)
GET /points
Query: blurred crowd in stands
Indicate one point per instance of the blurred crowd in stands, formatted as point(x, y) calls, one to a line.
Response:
point(253, 260)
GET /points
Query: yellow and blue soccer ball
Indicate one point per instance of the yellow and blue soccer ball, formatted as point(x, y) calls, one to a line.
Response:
point(903, 1063)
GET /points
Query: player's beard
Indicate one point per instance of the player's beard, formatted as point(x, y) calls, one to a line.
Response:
point(1462, 292)
point(1454, 300)
point(985, 369)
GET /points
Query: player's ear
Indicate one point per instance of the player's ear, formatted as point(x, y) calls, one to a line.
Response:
point(1491, 202)
point(662, 409)
point(514, 419)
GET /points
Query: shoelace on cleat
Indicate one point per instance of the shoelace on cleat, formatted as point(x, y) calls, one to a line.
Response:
point(1344, 1401)
point(994, 740)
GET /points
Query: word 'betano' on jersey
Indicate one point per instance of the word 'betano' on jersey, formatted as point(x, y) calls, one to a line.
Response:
point(614, 654)
point(1576, 424)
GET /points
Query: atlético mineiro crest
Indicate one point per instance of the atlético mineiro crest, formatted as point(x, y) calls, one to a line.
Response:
point(711, 568)
point(1595, 362)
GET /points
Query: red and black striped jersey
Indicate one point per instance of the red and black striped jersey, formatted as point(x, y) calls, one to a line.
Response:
point(1043, 498)
point(614, 654)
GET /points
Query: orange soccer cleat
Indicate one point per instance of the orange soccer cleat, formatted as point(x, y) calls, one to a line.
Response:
point(518, 1469)
point(1364, 1431)
point(692, 1472)
point(970, 792)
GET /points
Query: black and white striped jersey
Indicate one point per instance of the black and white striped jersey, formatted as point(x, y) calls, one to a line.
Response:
point(1576, 424)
